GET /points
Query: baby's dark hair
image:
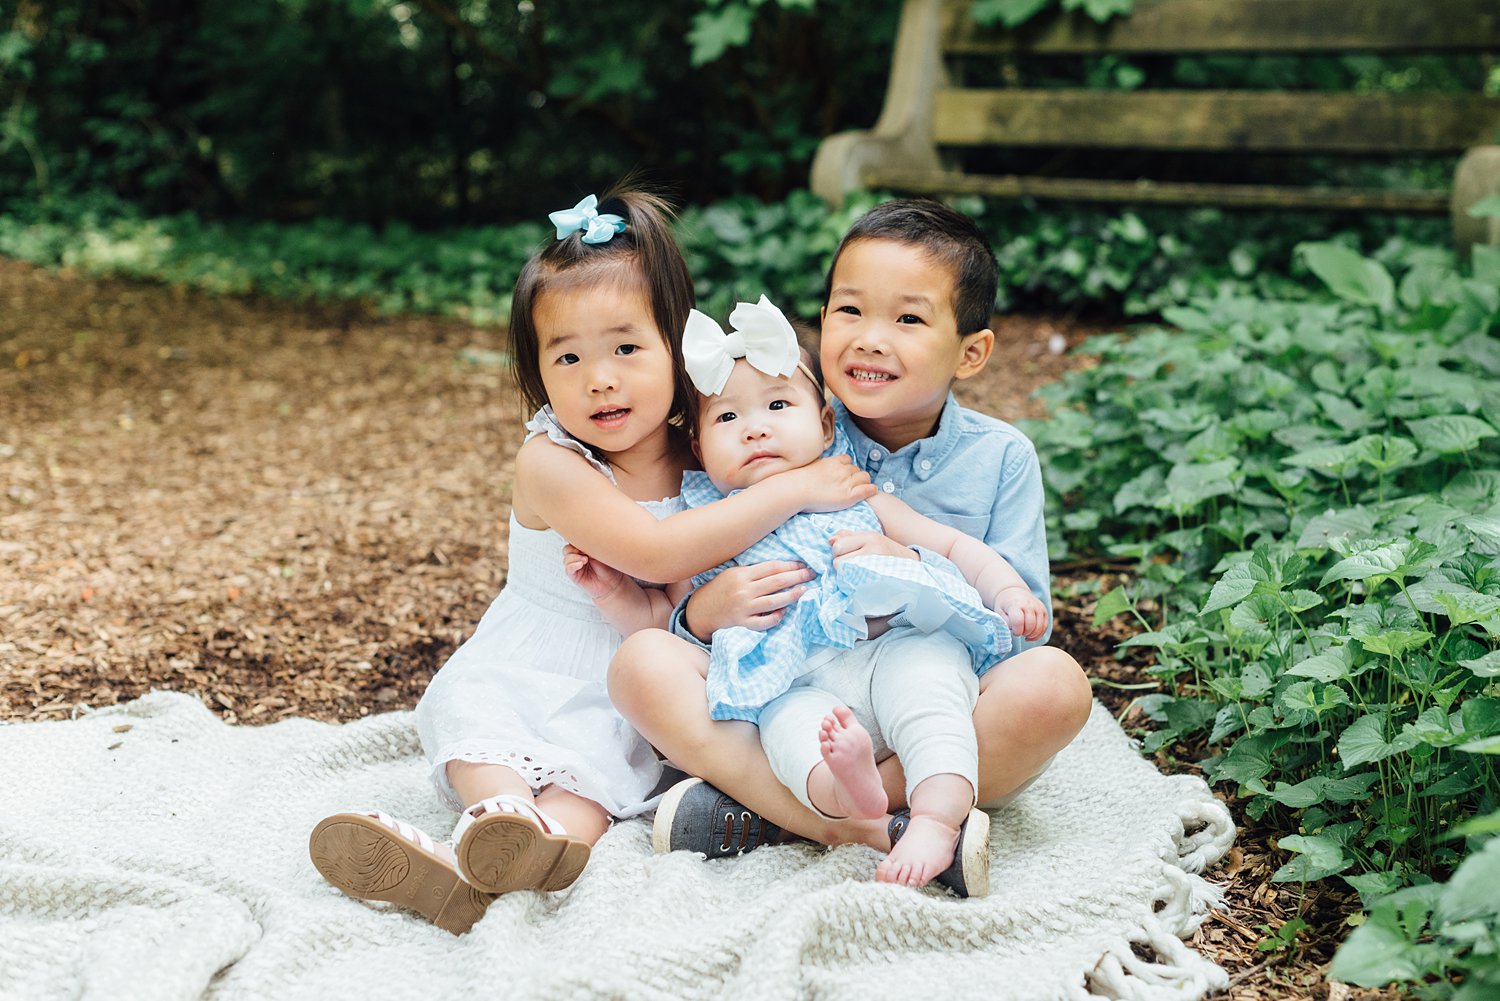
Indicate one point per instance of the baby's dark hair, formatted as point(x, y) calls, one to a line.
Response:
point(943, 235)
point(644, 256)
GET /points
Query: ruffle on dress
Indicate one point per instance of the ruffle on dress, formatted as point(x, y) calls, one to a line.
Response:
point(545, 422)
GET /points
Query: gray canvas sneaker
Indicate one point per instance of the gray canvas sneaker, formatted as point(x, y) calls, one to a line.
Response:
point(696, 817)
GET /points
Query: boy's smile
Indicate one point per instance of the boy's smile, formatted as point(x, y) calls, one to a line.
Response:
point(890, 346)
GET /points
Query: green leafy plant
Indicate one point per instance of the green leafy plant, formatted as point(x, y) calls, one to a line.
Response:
point(1313, 491)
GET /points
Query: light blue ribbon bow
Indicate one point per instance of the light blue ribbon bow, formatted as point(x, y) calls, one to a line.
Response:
point(585, 216)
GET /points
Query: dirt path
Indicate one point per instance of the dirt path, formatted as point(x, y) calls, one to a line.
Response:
point(301, 511)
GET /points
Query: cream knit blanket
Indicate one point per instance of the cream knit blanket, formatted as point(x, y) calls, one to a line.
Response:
point(149, 851)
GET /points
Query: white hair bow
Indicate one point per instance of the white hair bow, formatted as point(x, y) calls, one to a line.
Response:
point(761, 335)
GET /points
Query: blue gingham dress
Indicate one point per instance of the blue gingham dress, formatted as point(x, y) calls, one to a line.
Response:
point(750, 667)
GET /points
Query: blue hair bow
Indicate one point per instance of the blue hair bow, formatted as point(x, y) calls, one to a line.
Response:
point(585, 216)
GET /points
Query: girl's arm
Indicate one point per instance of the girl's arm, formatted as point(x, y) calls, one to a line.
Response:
point(997, 582)
point(625, 604)
point(560, 488)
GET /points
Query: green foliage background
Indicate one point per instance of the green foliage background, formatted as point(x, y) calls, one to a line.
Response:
point(435, 112)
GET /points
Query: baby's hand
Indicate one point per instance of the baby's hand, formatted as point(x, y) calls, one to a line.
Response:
point(596, 579)
point(1026, 615)
point(868, 544)
point(833, 484)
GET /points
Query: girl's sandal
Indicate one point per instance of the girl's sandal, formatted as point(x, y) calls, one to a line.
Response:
point(373, 856)
point(505, 843)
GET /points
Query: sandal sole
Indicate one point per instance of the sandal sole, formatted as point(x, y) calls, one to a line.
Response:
point(501, 853)
point(367, 860)
point(974, 854)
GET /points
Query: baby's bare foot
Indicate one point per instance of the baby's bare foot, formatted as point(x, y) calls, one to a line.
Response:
point(851, 760)
point(925, 850)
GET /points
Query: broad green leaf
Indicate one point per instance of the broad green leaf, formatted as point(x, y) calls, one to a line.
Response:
point(1394, 642)
point(716, 31)
point(1324, 667)
point(1485, 529)
point(1301, 599)
point(1343, 412)
point(1233, 587)
point(1255, 681)
point(1363, 741)
point(1310, 695)
point(1465, 605)
point(1380, 951)
point(1349, 275)
point(1488, 824)
point(1450, 433)
point(1384, 453)
point(1186, 715)
point(1318, 857)
point(1433, 728)
point(1142, 490)
point(1352, 522)
point(1373, 885)
point(1474, 489)
point(1471, 892)
point(1228, 720)
point(1335, 460)
point(1322, 788)
point(1248, 759)
point(1486, 207)
point(1111, 604)
point(1190, 484)
point(1481, 716)
point(1489, 745)
point(1395, 560)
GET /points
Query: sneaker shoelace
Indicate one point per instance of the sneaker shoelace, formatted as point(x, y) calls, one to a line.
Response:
point(750, 830)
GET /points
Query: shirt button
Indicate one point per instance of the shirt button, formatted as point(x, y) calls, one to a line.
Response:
point(926, 465)
point(889, 487)
point(874, 455)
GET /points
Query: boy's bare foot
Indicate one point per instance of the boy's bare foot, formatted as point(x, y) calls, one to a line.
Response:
point(925, 849)
point(850, 758)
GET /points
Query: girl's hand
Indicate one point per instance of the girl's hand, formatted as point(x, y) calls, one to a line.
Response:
point(833, 484)
point(868, 544)
point(596, 579)
point(755, 597)
point(1026, 615)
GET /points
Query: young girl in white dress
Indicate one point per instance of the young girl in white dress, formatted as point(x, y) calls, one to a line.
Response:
point(517, 725)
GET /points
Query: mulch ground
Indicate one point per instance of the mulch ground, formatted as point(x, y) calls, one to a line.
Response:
point(296, 510)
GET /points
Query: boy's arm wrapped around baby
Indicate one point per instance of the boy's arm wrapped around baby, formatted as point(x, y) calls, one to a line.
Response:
point(998, 583)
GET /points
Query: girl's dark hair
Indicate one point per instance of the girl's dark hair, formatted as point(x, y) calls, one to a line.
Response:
point(943, 235)
point(645, 256)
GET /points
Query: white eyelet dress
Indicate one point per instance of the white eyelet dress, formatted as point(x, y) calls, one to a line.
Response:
point(527, 690)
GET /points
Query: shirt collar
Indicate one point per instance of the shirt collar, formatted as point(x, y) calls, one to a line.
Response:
point(931, 450)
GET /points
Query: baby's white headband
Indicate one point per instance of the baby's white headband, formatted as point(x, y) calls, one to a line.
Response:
point(761, 335)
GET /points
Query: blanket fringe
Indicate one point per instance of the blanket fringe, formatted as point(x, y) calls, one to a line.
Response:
point(1152, 962)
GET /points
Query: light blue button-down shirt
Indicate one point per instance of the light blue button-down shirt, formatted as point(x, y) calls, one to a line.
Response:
point(977, 474)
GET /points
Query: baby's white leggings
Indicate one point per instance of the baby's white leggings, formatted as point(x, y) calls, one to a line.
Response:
point(915, 690)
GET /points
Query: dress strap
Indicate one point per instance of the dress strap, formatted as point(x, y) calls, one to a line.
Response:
point(545, 422)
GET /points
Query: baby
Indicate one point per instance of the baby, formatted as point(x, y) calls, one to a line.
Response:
point(885, 639)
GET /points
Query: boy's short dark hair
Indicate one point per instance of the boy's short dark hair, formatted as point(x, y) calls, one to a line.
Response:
point(946, 236)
